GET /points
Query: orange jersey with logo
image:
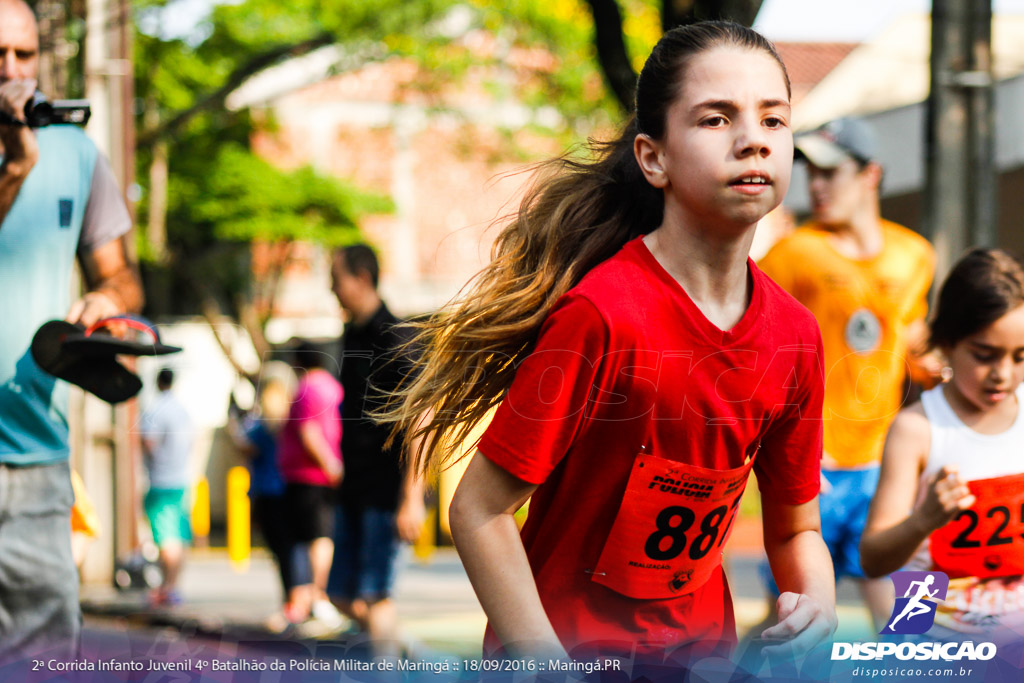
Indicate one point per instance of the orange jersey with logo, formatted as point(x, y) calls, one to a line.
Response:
point(863, 307)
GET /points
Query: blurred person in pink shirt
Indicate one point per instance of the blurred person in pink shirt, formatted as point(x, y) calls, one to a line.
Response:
point(309, 455)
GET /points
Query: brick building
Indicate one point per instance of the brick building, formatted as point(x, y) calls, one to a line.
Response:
point(453, 157)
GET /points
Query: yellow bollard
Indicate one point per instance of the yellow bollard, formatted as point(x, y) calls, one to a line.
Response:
point(425, 545)
point(201, 513)
point(238, 519)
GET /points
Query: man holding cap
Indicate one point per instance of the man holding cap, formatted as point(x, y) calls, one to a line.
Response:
point(59, 202)
point(866, 281)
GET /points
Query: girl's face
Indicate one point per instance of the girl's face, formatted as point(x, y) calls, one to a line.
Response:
point(989, 366)
point(727, 152)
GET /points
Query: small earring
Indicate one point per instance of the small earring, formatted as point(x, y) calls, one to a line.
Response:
point(946, 373)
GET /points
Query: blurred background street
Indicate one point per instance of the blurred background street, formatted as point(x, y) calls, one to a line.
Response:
point(439, 612)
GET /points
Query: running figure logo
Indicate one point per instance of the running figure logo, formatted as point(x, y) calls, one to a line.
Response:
point(914, 612)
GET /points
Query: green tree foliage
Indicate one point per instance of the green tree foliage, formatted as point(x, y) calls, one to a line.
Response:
point(248, 198)
point(219, 196)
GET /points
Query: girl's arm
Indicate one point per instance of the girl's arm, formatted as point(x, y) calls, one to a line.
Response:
point(239, 439)
point(411, 510)
point(315, 443)
point(803, 571)
point(487, 538)
point(895, 528)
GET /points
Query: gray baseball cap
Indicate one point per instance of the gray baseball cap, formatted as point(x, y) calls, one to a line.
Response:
point(837, 141)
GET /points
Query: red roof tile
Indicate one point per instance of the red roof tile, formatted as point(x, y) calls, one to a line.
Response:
point(809, 63)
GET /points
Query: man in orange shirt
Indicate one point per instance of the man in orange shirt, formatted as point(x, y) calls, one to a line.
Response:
point(866, 281)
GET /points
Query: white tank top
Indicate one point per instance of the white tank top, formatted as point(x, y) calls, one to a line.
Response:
point(976, 456)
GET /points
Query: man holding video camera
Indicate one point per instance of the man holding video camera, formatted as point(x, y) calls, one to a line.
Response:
point(58, 201)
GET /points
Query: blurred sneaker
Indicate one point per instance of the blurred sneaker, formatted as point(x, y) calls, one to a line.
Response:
point(326, 613)
point(293, 614)
point(172, 598)
point(278, 624)
point(285, 621)
point(164, 597)
point(316, 629)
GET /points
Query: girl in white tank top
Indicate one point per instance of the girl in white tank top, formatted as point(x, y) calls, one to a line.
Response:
point(951, 492)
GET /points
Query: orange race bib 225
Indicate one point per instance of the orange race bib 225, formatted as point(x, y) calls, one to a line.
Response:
point(986, 540)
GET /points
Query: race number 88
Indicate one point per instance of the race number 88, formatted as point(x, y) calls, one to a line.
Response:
point(669, 539)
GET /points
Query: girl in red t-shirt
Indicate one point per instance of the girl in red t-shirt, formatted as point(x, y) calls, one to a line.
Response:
point(642, 364)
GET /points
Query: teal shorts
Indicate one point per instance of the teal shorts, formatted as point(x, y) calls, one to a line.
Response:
point(167, 510)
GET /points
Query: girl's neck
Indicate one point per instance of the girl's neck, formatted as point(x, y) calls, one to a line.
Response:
point(712, 270)
point(995, 420)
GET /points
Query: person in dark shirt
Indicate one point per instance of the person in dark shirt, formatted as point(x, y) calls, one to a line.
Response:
point(380, 501)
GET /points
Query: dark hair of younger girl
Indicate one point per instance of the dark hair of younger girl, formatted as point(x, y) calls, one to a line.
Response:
point(579, 213)
point(308, 356)
point(983, 286)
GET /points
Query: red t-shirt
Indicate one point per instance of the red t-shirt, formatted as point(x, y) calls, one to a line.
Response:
point(318, 399)
point(626, 360)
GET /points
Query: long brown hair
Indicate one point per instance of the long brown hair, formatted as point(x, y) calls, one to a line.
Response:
point(579, 213)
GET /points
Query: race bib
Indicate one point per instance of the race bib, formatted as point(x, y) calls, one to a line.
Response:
point(672, 524)
point(986, 540)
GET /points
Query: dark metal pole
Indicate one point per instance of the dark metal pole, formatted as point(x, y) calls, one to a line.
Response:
point(961, 184)
point(946, 138)
point(984, 178)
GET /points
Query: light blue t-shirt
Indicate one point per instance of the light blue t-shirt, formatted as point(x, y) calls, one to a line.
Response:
point(167, 428)
point(39, 239)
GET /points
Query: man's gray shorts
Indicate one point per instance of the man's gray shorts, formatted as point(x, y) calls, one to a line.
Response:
point(39, 610)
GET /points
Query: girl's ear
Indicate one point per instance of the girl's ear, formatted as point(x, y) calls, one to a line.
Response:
point(944, 353)
point(648, 156)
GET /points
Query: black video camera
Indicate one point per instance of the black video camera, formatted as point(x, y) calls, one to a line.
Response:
point(40, 112)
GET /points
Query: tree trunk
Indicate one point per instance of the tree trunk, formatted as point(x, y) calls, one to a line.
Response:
point(159, 282)
point(611, 51)
point(53, 48)
point(212, 314)
point(156, 222)
point(611, 47)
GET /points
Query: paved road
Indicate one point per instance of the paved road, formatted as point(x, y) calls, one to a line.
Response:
point(438, 610)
